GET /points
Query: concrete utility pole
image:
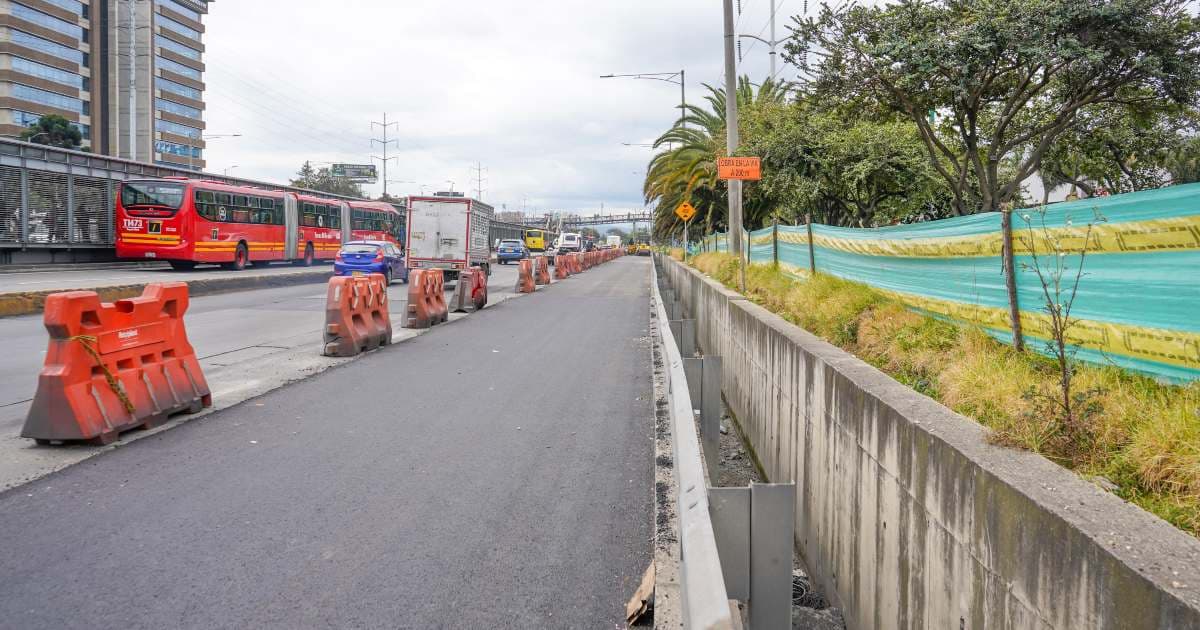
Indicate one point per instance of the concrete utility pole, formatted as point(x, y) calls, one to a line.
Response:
point(385, 142)
point(731, 139)
point(771, 43)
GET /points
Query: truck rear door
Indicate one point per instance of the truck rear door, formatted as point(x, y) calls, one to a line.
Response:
point(437, 231)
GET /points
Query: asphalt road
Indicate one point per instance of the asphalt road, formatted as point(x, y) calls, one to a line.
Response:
point(496, 472)
point(221, 328)
point(91, 276)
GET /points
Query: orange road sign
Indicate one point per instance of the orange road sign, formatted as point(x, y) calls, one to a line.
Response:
point(739, 168)
point(685, 212)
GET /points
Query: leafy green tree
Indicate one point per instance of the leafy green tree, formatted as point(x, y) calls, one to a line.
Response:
point(55, 131)
point(686, 169)
point(846, 168)
point(992, 84)
point(322, 180)
point(1117, 148)
point(1183, 161)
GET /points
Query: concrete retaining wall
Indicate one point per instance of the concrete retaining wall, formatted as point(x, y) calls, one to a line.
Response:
point(910, 516)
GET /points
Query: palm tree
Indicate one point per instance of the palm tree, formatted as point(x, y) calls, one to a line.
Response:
point(686, 170)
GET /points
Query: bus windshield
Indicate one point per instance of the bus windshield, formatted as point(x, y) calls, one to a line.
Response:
point(157, 194)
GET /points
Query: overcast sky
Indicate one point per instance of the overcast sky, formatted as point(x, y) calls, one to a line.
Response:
point(511, 85)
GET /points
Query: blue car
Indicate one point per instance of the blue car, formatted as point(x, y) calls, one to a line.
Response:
point(366, 257)
point(511, 249)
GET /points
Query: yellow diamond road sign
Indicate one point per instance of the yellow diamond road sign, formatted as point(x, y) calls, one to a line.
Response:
point(685, 212)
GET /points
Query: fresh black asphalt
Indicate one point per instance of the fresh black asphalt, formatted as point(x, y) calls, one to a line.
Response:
point(494, 473)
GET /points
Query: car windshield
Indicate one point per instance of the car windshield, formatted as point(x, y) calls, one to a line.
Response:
point(359, 248)
point(159, 194)
point(510, 243)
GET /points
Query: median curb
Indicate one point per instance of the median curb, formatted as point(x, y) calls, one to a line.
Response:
point(30, 302)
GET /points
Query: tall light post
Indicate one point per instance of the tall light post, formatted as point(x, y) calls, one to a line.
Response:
point(679, 78)
point(192, 148)
point(229, 168)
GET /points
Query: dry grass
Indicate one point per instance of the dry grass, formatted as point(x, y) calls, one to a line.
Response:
point(1145, 436)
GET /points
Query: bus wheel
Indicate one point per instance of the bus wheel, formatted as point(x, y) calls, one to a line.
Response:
point(241, 256)
point(183, 265)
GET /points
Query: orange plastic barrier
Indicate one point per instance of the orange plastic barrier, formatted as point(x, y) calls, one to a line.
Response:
point(426, 298)
point(437, 290)
point(111, 367)
point(470, 293)
point(542, 275)
point(525, 283)
point(356, 315)
point(576, 263)
point(560, 268)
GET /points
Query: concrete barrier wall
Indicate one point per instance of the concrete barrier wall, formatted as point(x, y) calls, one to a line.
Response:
point(909, 515)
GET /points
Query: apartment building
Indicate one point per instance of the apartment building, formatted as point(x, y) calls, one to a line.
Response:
point(128, 73)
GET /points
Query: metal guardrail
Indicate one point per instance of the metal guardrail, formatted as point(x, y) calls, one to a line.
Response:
point(751, 526)
point(705, 598)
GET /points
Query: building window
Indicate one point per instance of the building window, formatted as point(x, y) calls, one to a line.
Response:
point(42, 71)
point(172, 25)
point(181, 150)
point(50, 48)
point(47, 20)
point(175, 47)
point(26, 93)
point(71, 5)
point(177, 129)
point(177, 109)
point(177, 68)
point(25, 119)
point(176, 88)
point(180, 9)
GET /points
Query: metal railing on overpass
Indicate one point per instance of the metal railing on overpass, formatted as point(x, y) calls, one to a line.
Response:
point(608, 219)
point(59, 200)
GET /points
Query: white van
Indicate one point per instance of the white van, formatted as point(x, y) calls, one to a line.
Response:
point(568, 243)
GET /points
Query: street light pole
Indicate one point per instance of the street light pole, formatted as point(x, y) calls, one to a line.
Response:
point(731, 141)
point(668, 77)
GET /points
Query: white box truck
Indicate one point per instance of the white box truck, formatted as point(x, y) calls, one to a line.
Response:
point(613, 241)
point(448, 233)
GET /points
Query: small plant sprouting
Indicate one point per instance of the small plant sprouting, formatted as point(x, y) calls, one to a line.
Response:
point(1051, 259)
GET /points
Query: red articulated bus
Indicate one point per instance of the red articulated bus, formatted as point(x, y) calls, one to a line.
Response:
point(376, 221)
point(188, 222)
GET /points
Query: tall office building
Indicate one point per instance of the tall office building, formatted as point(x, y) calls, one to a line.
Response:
point(128, 73)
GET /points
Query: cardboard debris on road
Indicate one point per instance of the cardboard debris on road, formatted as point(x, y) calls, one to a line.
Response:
point(642, 601)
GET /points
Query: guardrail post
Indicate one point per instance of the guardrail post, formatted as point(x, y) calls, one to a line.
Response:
point(684, 331)
point(704, 383)
point(772, 521)
point(730, 510)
